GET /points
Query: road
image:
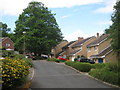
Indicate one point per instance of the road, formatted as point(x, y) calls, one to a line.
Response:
point(56, 75)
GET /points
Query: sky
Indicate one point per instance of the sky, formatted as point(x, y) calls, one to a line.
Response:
point(76, 18)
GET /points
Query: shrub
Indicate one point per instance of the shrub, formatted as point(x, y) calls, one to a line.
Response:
point(69, 63)
point(28, 61)
point(53, 59)
point(83, 67)
point(98, 65)
point(19, 56)
point(105, 75)
point(14, 72)
point(114, 67)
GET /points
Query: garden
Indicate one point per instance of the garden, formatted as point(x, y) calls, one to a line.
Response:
point(15, 69)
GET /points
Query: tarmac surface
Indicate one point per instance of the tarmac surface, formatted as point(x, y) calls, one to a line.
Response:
point(57, 75)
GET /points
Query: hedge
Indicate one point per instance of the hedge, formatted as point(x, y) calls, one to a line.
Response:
point(109, 72)
point(83, 67)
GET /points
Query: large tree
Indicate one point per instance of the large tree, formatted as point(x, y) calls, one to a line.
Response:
point(4, 30)
point(114, 29)
point(42, 30)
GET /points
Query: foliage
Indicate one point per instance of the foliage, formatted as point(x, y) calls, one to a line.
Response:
point(4, 29)
point(105, 75)
point(108, 72)
point(14, 72)
point(98, 65)
point(6, 53)
point(114, 29)
point(83, 67)
point(41, 29)
point(55, 60)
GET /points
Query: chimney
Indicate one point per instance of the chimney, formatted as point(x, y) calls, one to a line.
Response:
point(98, 35)
point(80, 38)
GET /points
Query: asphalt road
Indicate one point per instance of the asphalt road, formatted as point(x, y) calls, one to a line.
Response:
point(53, 75)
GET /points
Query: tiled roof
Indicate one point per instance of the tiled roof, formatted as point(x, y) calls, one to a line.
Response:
point(103, 52)
point(100, 39)
point(68, 44)
point(74, 52)
point(81, 42)
point(3, 38)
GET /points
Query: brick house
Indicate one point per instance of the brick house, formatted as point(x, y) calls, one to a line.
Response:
point(80, 49)
point(67, 49)
point(7, 43)
point(58, 49)
point(100, 50)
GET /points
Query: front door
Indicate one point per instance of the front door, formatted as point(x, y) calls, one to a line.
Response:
point(100, 60)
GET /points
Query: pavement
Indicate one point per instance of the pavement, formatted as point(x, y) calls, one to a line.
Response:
point(55, 75)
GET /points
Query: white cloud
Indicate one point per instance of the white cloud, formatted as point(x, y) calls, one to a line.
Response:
point(104, 22)
point(15, 7)
point(79, 33)
point(108, 8)
point(65, 16)
point(74, 35)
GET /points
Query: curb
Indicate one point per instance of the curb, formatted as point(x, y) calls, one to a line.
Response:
point(115, 86)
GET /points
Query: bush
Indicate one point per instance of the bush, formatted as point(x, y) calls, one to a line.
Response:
point(69, 63)
point(28, 61)
point(83, 67)
point(98, 65)
point(14, 72)
point(53, 59)
point(105, 75)
point(19, 56)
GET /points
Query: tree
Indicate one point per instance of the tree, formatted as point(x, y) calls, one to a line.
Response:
point(4, 30)
point(42, 30)
point(114, 29)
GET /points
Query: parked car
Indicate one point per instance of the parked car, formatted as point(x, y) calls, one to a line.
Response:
point(61, 58)
point(86, 60)
point(31, 56)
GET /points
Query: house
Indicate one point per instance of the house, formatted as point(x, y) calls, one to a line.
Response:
point(67, 49)
point(58, 49)
point(80, 49)
point(100, 50)
point(7, 43)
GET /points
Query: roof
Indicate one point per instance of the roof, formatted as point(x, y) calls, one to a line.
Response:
point(4, 38)
point(79, 44)
point(98, 41)
point(103, 52)
point(68, 44)
point(74, 52)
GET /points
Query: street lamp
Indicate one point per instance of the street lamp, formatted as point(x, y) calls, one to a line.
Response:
point(24, 42)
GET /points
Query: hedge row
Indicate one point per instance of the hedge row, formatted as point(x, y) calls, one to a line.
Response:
point(55, 60)
point(109, 72)
point(83, 67)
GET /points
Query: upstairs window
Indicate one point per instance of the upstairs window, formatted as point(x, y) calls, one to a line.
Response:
point(95, 48)
point(7, 44)
point(89, 49)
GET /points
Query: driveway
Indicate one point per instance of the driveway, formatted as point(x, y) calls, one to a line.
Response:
point(56, 75)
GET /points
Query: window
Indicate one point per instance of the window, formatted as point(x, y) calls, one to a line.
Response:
point(7, 44)
point(89, 49)
point(95, 48)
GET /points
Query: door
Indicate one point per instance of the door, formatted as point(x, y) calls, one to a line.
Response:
point(100, 60)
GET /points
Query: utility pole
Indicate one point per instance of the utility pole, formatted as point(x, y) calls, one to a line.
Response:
point(24, 42)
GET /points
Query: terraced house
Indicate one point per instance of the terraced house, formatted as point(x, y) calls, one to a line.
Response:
point(80, 49)
point(100, 50)
point(58, 49)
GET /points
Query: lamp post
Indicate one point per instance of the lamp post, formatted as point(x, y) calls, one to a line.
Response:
point(24, 42)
